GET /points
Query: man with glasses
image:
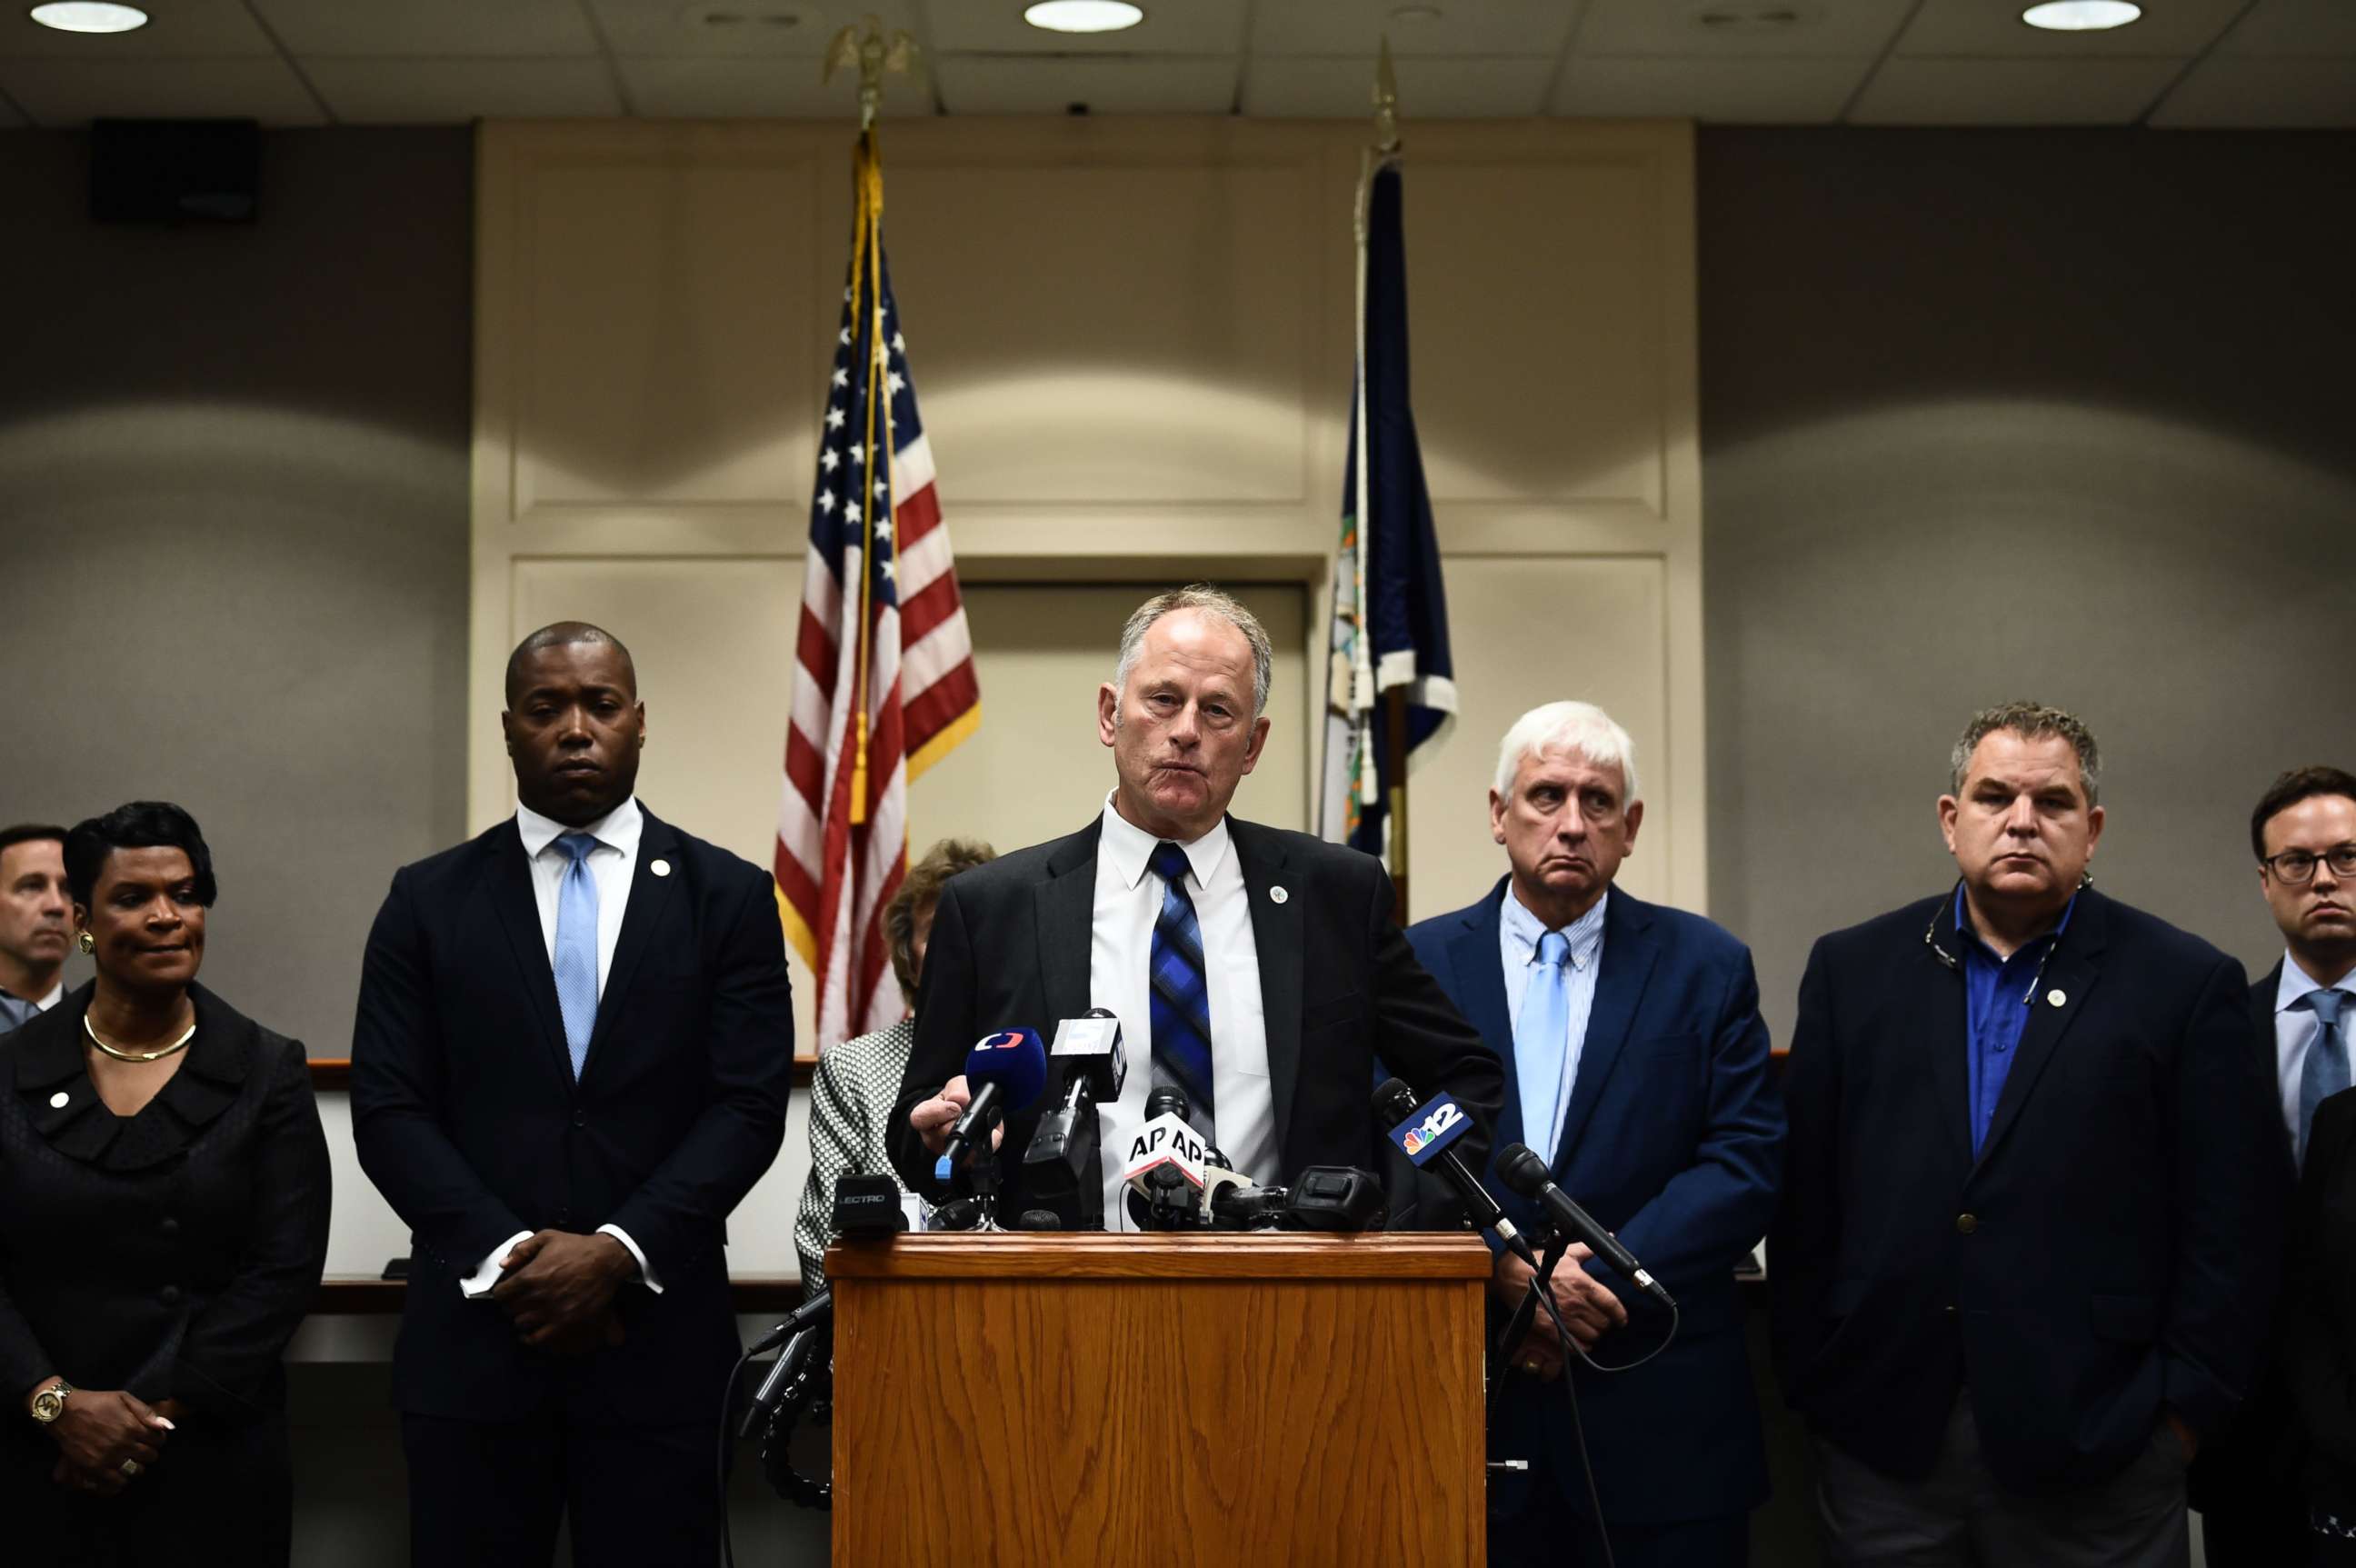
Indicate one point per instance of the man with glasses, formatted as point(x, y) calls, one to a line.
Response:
point(2031, 1216)
point(2304, 836)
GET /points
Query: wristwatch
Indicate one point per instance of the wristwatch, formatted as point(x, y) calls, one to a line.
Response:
point(50, 1403)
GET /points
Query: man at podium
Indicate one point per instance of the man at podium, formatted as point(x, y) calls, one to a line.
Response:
point(1264, 968)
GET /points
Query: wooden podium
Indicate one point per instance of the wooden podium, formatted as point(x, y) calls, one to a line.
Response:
point(1211, 1401)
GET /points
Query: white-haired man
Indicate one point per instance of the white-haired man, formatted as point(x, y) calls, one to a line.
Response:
point(1636, 1067)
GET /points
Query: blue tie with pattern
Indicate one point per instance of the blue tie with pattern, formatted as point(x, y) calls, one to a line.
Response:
point(1182, 997)
point(1542, 1044)
point(2326, 1072)
point(576, 947)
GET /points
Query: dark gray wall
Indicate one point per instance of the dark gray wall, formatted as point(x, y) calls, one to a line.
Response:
point(234, 532)
point(1987, 415)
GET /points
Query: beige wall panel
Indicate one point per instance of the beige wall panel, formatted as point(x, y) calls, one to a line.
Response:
point(1111, 335)
point(1532, 631)
point(1035, 769)
point(665, 317)
point(1537, 323)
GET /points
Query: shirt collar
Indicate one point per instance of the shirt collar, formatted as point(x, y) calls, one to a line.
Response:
point(57, 993)
point(1973, 942)
point(1128, 848)
point(1523, 928)
point(617, 829)
point(2297, 983)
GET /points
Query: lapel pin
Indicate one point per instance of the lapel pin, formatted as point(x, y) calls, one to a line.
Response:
point(661, 868)
point(2056, 996)
point(59, 1100)
point(1277, 894)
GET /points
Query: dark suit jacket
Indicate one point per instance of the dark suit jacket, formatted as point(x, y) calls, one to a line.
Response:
point(468, 1121)
point(172, 1254)
point(2255, 1462)
point(1674, 1140)
point(1011, 945)
point(2110, 1254)
point(2318, 1318)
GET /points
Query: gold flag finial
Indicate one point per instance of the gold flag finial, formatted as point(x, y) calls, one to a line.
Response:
point(873, 52)
point(1386, 136)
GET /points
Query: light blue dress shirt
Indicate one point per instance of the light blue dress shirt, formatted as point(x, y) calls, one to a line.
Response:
point(1548, 1069)
point(2294, 1034)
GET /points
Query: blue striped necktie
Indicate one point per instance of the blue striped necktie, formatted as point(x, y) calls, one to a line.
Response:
point(1181, 995)
point(2326, 1072)
point(577, 948)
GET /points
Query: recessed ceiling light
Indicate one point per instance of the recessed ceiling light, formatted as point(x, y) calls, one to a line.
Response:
point(1084, 16)
point(88, 17)
point(2082, 16)
point(1416, 16)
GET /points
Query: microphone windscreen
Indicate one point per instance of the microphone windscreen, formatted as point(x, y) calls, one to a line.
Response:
point(1394, 1099)
point(1519, 1167)
point(1168, 1101)
point(1014, 1060)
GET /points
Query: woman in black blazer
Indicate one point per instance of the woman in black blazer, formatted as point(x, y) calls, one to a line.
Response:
point(2318, 1327)
point(164, 1193)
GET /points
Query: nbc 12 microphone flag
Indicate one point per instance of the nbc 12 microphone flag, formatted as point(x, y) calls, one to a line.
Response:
point(883, 679)
point(1390, 610)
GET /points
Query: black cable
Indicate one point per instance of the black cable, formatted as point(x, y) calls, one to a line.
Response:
point(1577, 1428)
point(727, 1415)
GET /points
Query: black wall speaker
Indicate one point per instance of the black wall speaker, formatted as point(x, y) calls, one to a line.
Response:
point(174, 171)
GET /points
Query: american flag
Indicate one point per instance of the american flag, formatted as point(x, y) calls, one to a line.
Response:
point(875, 526)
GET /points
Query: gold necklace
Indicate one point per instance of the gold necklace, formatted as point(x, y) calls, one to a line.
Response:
point(154, 1056)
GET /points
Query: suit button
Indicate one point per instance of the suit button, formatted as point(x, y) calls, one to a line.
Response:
point(581, 1118)
point(171, 1226)
point(1948, 1310)
point(1967, 1223)
point(171, 1296)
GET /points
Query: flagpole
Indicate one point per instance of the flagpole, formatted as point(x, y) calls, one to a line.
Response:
point(1387, 148)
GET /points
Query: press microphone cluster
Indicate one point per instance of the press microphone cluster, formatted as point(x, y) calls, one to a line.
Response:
point(1063, 1166)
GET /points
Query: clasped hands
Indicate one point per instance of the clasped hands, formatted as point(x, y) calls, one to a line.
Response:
point(101, 1431)
point(1589, 1309)
point(558, 1288)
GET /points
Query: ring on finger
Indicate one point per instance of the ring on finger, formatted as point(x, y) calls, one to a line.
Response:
point(129, 1467)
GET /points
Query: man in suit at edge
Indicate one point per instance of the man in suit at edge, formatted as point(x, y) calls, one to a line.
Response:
point(572, 1059)
point(1279, 974)
point(2030, 1225)
point(34, 933)
point(1636, 1064)
point(2248, 1486)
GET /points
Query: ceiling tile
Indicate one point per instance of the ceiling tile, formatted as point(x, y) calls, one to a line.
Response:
point(2012, 91)
point(72, 92)
point(1993, 29)
point(2295, 29)
point(1728, 91)
point(741, 29)
point(1033, 84)
point(1171, 27)
point(186, 29)
point(1353, 28)
point(1293, 86)
point(1826, 29)
point(445, 27)
point(443, 92)
point(680, 89)
point(2269, 93)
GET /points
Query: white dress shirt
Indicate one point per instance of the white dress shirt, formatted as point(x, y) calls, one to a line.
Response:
point(611, 865)
point(57, 995)
point(1518, 932)
point(1120, 949)
point(2295, 1032)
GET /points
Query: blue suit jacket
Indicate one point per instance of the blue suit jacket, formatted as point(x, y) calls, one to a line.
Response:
point(1673, 1140)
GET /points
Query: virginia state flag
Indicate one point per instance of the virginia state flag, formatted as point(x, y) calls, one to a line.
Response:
point(1390, 608)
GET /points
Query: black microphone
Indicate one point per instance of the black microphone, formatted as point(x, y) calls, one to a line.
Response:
point(818, 1309)
point(1063, 1166)
point(1395, 1102)
point(1005, 1072)
point(1240, 1206)
point(1164, 1172)
point(1038, 1220)
point(806, 1321)
point(1519, 1167)
point(1337, 1198)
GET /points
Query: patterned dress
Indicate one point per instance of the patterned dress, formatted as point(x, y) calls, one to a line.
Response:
point(852, 1096)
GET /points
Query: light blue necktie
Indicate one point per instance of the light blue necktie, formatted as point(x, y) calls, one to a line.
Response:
point(576, 947)
point(1542, 1044)
point(2326, 1072)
